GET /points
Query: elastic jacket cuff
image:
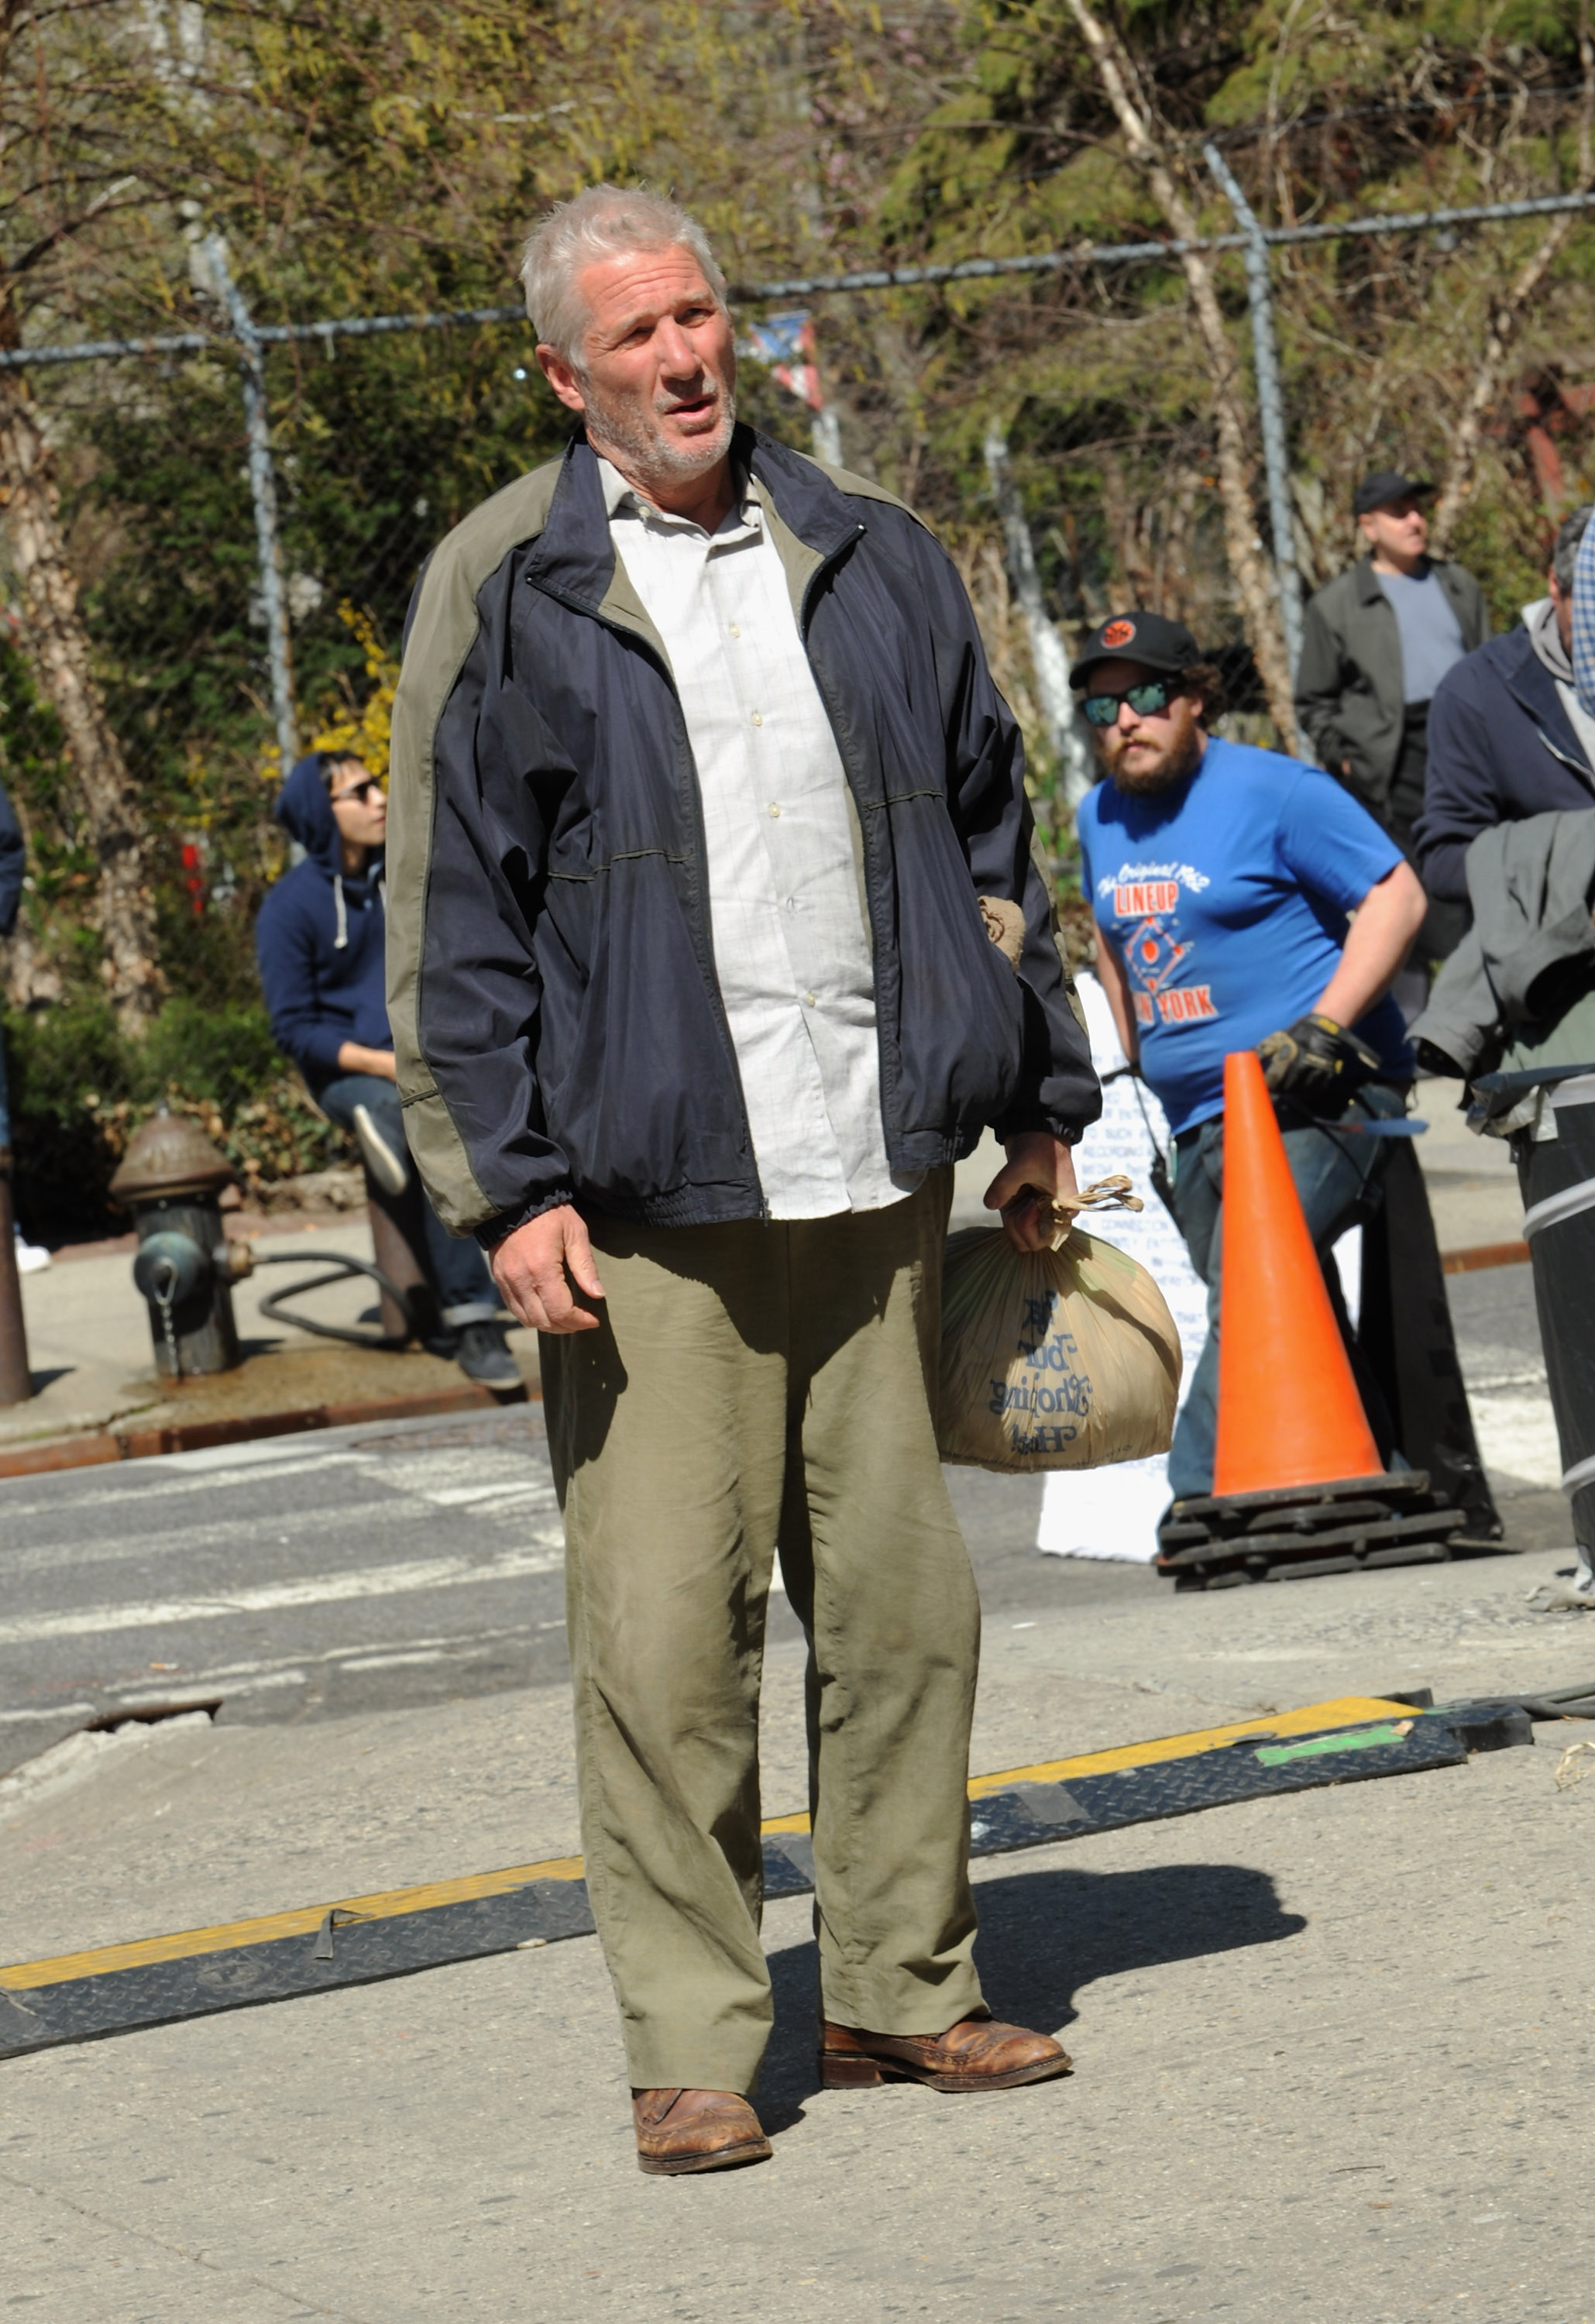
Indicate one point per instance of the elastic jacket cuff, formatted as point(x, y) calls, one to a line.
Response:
point(1014, 1125)
point(494, 1230)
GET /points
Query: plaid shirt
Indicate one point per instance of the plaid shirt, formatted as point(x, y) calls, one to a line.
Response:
point(1583, 622)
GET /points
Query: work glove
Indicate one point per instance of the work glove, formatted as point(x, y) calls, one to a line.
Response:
point(1318, 1064)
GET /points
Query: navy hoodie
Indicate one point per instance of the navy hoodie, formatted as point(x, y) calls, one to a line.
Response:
point(320, 937)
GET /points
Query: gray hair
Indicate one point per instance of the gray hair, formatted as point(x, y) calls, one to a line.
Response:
point(1564, 556)
point(604, 222)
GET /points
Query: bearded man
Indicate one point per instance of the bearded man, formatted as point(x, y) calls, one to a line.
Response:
point(700, 781)
point(1225, 881)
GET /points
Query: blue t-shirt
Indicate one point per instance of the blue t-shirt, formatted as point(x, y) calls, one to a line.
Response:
point(1226, 899)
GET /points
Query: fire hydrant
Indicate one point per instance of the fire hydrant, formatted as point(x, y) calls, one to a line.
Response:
point(170, 1178)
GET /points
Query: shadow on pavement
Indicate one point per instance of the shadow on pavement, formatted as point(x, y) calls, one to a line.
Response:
point(1044, 1936)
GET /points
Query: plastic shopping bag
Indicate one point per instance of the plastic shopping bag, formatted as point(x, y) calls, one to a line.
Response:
point(1060, 1358)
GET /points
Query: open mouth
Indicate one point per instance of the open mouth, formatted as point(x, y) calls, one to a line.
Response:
point(694, 407)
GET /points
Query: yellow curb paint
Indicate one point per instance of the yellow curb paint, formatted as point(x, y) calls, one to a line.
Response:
point(188, 1943)
point(1350, 1710)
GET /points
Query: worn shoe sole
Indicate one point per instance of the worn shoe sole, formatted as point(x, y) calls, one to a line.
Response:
point(718, 2158)
point(391, 1174)
point(850, 2071)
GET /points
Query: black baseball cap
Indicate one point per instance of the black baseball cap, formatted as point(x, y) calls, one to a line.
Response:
point(1158, 644)
point(1390, 485)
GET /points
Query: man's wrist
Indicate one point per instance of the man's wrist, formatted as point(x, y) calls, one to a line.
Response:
point(494, 1232)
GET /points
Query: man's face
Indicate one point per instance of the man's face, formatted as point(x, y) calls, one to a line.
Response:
point(657, 378)
point(359, 807)
point(1145, 751)
point(1399, 530)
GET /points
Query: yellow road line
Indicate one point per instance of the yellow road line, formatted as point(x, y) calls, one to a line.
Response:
point(1348, 1711)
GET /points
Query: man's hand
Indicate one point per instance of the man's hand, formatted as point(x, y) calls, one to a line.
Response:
point(355, 1057)
point(1038, 1164)
point(530, 1267)
point(1318, 1064)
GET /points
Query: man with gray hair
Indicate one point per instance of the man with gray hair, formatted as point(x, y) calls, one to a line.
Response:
point(703, 804)
point(1507, 736)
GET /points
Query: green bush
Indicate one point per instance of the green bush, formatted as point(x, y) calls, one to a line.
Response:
point(79, 1088)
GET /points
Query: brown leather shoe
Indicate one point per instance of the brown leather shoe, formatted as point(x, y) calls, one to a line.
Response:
point(975, 2054)
point(694, 2130)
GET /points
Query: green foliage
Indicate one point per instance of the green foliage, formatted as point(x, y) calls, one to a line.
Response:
point(79, 1088)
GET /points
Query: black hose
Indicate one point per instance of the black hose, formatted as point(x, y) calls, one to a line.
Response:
point(341, 1268)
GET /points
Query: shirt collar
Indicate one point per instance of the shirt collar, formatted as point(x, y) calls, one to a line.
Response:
point(622, 499)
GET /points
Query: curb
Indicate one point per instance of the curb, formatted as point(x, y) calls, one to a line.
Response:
point(92, 1450)
point(1481, 1255)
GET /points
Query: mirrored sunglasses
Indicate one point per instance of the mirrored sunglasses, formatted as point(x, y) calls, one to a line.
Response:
point(361, 792)
point(1152, 696)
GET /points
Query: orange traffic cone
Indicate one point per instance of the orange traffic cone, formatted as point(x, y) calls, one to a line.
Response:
point(1298, 1485)
point(1289, 1413)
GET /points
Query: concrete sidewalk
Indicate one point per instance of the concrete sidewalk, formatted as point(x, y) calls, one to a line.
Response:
point(93, 1364)
point(1330, 2048)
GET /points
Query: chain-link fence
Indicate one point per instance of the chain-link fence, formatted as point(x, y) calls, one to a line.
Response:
point(243, 512)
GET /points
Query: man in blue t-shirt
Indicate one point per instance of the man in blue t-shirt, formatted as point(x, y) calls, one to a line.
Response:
point(1224, 880)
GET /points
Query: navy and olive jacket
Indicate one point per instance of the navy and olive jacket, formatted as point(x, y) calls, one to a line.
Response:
point(558, 1024)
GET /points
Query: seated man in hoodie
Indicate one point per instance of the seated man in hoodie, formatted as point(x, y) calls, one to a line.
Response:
point(1507, 736)
point(319, 942)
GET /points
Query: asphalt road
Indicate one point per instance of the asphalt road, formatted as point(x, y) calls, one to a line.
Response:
point(355, 1570)
point(369, 1569)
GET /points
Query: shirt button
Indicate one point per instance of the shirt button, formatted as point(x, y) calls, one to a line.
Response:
point(734, 631)
point(758, 718)
point(774, 809)
point(809, 1000)
point(791, 903)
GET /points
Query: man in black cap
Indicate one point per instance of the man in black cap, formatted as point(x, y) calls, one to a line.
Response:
point(1377, 641)
point(1223, 881)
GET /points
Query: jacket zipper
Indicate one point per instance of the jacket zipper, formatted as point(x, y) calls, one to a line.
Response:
point(705, 954)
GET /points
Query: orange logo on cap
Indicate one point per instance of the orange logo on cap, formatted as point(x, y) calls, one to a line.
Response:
point(1117, 633)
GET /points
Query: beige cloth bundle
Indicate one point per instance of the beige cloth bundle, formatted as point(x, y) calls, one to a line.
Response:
point(1059, 1359)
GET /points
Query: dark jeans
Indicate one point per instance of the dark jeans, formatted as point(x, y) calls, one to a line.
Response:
point(1334, 1177)
point(459, 1276)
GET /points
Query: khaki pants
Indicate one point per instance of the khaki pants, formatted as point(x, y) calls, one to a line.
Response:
point(754, 1385)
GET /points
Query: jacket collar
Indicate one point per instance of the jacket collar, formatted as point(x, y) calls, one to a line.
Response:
point(810, 522)
point(1533, 690)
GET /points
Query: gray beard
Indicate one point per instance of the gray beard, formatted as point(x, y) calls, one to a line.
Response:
point(647, 456)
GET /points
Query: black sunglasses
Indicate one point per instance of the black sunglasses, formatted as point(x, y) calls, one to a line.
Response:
point(361, 792)
point(1147, 699)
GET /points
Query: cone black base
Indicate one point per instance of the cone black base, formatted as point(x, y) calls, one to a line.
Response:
point(1291, 1532)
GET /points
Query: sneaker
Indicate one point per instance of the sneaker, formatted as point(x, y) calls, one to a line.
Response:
point(390, 1170)
point(32, 1257)
point(482, 1353)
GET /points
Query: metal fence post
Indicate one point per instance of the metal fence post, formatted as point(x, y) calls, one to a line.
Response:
point(263, 486)
point(1270, 406)
point(1048, 657)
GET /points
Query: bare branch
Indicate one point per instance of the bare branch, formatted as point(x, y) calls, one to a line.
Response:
point(1508, 317)
point(1118, 76)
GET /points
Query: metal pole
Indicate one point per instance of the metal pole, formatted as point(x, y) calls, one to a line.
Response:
point(1050, 661)
point(1270, 406)
point(263, 485)
point(16, 1381)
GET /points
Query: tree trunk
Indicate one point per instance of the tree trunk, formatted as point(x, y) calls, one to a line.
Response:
point(57, 646)
point(1505, 321)
point(1247, 563)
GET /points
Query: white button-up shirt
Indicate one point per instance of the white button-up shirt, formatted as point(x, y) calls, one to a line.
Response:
point(792, 945)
